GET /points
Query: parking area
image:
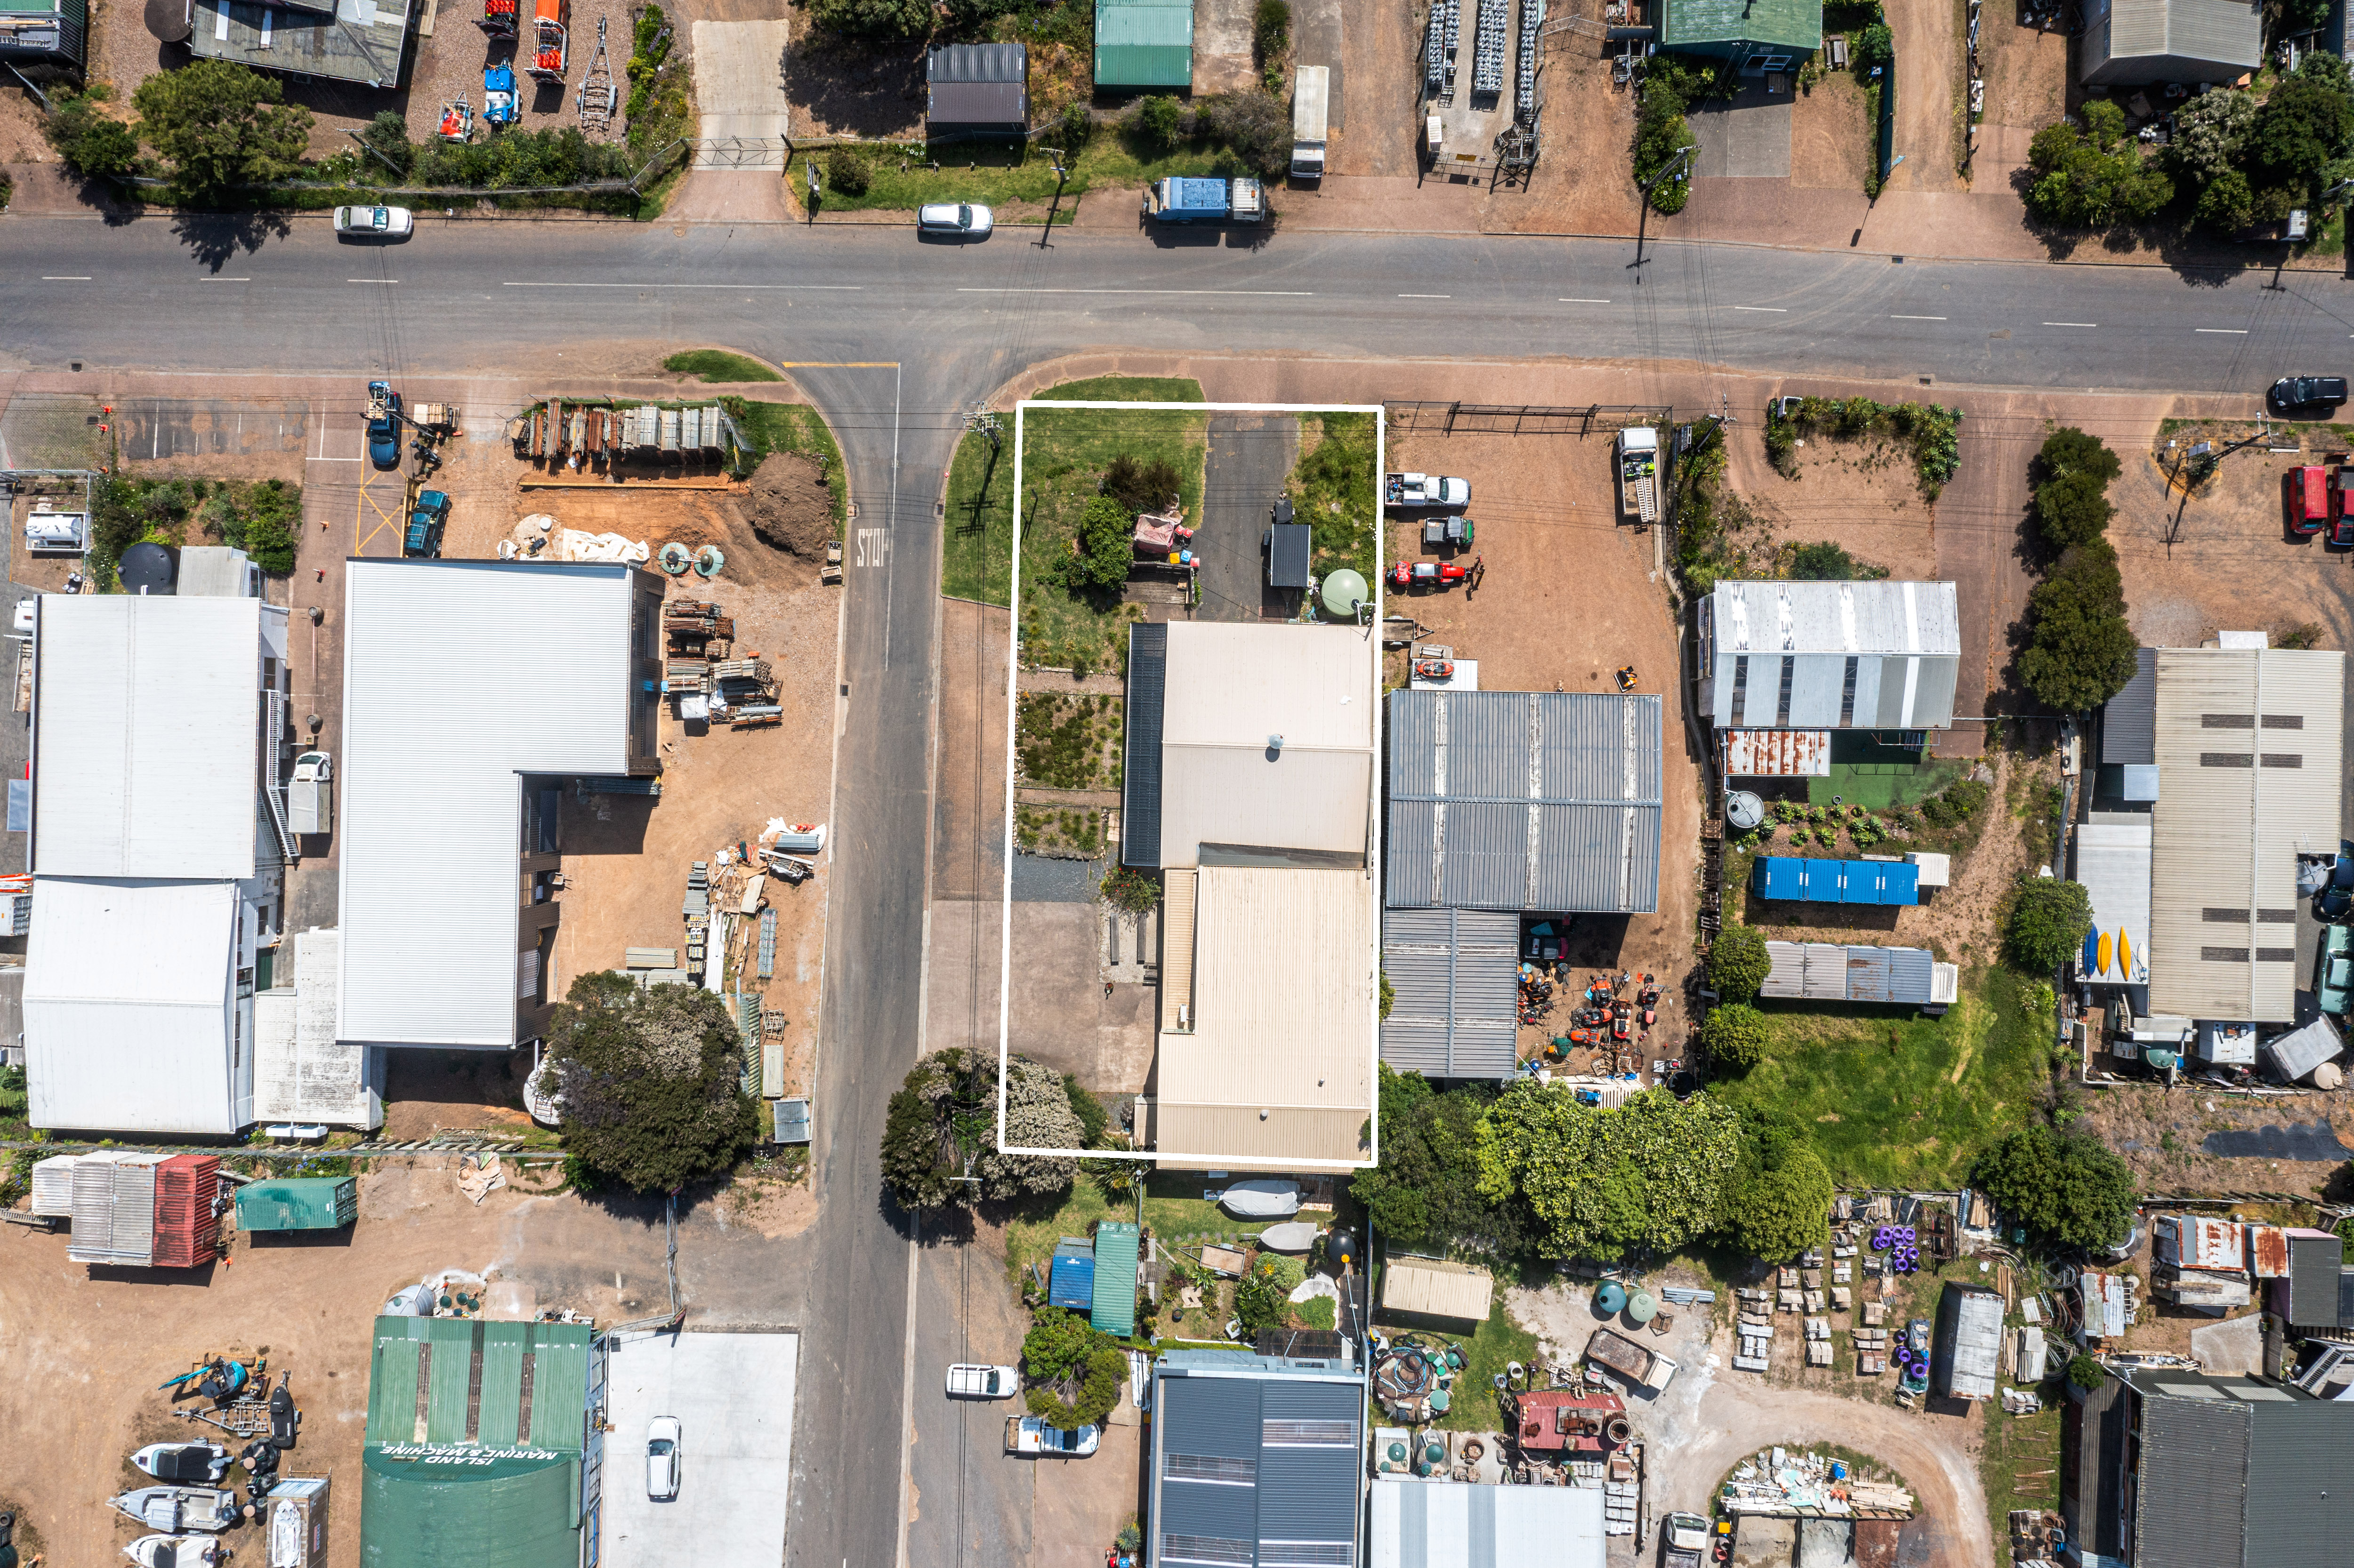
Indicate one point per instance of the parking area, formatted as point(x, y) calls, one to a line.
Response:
point(732, 1395)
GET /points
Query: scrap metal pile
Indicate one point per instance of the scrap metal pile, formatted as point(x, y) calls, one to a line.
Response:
point(1803, 1486)
point(703, 677)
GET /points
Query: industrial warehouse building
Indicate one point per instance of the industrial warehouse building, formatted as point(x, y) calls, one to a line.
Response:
point(1248, 783)
point(2249, 743)
point(159, 730)
point(453, 782)
point(1257, 1460)
point(483, 1444)
point(1879, 656)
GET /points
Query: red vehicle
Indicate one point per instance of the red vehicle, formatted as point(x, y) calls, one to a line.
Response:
point(551, 43)
point(2313, 501)
point(498, 18)
point(1427, 574)
point(2341, 530)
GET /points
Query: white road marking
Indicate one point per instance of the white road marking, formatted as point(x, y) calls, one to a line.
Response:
point(1769, 310)
point(224, 280)
point(1280, 294)
point(1425, 296)
point(821, 287)
point(2073, 323)
point(1581, 302)
point(371, 279)
point(1916, 318)
point(2223, 332)
point(47, 279)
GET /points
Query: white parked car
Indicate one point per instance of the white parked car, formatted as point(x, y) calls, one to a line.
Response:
point(662, 1458)
point(375, 222)
point(1029, 1435)
point(971, 1381)
point(959, 218)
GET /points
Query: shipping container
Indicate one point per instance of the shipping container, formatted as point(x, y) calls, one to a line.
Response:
point(2197, 1240)
point(299, 1203)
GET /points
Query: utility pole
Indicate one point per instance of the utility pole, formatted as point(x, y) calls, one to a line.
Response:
point(1642, 224)
point(809, 166)
point(1061, 177)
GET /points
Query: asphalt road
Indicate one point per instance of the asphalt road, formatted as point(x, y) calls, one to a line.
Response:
point(893, 338)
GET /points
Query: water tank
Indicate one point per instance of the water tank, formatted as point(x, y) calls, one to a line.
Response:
point(1640, 1306)
point(149, 569)
point(1344, 590)
point(1744, 809)
point(1611, 1297)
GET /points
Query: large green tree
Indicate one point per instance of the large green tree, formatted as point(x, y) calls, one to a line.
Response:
point(2307, 122)
point(1737, 964)
point(221, 126)
point(2048, 917)
point(1073, 1368)
point(2210, 132)
point(939, 1134)
point(1426, 1190)
point(89, 141)
point(649, 1083)
point(2095, 177)
point(1648, 1174)
point(2065, 1188)
point(2080, 651)
point(874, 18)
point(1781, 1203)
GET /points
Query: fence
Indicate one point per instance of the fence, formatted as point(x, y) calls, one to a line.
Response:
point(1518, 419)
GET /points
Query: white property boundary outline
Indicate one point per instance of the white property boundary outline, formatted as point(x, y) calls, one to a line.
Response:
point(1372, 816)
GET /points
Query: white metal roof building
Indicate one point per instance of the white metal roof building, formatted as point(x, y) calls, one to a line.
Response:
point(1258, 739)
point(460, 679)
point(1524, 800)
point(1970, 1341)
point(2251, 752)
point(1423, 1524)
point(1828, 972)
point(2112, 862)
point(2132, 43)
point(1835, 655)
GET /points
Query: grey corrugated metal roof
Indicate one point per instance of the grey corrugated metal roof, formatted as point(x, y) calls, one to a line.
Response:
point(1828, 972)
point(1470, 828)
point(2191, 1497)
point(997, 103)
point(1455, 978)
point(362, 41)
point(1970, 1335)
point(2091, 1495)
point(2312, 1266)
point(1140, 816)
point(2129, 719)
point(2300, 1508)
point(1254, 1465)
point(977, 62)
point(2227, 32)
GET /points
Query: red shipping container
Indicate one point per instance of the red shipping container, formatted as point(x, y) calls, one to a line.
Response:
point(187, 1231)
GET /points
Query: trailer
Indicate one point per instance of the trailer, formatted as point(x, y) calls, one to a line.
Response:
point(1191, 199)
point(498, 18)
point(1310, 95)
point(499, 94)
point(1628, 1360)
point(1638, 473)
point(550, 40)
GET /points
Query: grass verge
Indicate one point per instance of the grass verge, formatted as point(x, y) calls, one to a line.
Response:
point(719, 365)
point(999, 177)
point(2019, 1466)
point(1334, 490)
point(793, 428)
point(1899, 1100)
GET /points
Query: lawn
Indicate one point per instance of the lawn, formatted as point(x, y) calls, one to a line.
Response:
point(791, 428)
point(1877, 778)
point(1895, 1100)
point(719, 365)
point(996, 176)
point(1031, 1236)
point(1334, 490)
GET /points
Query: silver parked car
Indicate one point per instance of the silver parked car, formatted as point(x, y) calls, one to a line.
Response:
point(375, 222)
point(662, 1458)
point(959, 219)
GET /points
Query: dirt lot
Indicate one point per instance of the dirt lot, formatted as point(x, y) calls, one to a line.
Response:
point(2164, 1133)
point(844, 87)
point(1582, 183)
point(1930, 44)
point(2026, 73)
point(104, 1337)
point(1830, 135)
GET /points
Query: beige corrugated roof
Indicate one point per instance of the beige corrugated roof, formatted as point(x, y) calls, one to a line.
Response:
point(1437, 1288)
point(2250, 747)
point(1283, 991)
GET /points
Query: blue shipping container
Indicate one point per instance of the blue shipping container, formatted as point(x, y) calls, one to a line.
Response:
point(1073, 1284)
point(1836, 881)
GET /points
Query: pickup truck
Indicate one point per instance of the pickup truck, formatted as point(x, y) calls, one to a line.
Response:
point(1638, 474)
point(1683, 1543)
point(1404, 492)
point(425, 524)
point(971, 1381)
point(1630, 1359)
point(1028, 1434)
point(1183, 199)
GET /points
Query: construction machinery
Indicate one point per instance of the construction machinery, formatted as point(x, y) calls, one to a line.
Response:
point(499, 94)
point(598, 97)
point(457, 121)
point(498, 18)
point(550, 42)
point(1432, 573)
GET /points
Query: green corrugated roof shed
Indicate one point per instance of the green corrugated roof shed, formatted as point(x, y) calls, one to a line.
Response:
point(1144, 43)
point(1115, 1306)
point(297, 1204)
point(1721, 27)
point(490, 1496)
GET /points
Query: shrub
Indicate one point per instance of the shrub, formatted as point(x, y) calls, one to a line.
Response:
point(1093, 1118)
point(1823, 561)
point(846, 173)
point(2080, 651)
point(2210, 132)
point(273, 517)
point(2048, 921)
point(2085, 179)
point(1063, 1348)
point(2085, 1374)
point(89, 141)
point(1142, 487)
point(2308, 121)
point(221, 127)
point(1157, 120)
point(1660, 133)
point(1875, 46)
point(1125, 887)
point(1077, 126)
point(1736, 1036)
point(1107, 541)
point(874, 18)
point(2228, 203)
point(387, 133)
point(1737, 964)
point(1256, 128)
point(1271, 30)
point(2072, 509)
point(2069, 450)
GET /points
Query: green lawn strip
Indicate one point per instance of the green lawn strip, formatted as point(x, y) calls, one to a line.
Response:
point(1176, 1213)
point(2016, 1447)
point(1499, 1342)
point(793, 428)
point(1064, 454)
point(977, 546)
point(1334, 490)
point(1877, 786)
point(719, 365)
point(1031, 1237)
point(1899, 1100)
point(998, 176)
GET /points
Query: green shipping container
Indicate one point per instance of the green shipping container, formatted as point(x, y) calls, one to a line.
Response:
point(299, 1203)
point(1115, 1294)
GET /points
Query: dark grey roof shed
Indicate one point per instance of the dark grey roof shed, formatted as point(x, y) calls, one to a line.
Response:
point(2129, 719)
point(1256, 1461)
point(1524, 800)
point(1287, 546)
point(980, 86)
point(1455, 978)
point(1148, 686)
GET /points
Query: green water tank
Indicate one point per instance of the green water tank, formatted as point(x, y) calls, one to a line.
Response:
point(1344, 590)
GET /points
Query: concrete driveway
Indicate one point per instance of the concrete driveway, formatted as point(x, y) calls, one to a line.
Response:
point(733, 1396)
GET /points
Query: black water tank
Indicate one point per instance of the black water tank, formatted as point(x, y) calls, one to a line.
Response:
point(149, 569)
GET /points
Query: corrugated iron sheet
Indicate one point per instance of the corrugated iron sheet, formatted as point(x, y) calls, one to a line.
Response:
point(1828, 971)
point(1140, 816)
point(1454, 978)
point(1524, 800)
point(2268, 1251)
point(1778, 753)
point(2129, 719)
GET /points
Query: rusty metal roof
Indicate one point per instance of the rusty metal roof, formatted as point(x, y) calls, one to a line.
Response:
point(1777, 754)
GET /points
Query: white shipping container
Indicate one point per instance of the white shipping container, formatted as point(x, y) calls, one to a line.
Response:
point(53, 1184)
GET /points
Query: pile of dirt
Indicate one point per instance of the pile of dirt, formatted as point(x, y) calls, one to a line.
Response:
point(788, 504)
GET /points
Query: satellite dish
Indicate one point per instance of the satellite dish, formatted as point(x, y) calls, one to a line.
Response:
point(1344, 590)
point(1744, 809)
point(148, 567)
point(169, 21)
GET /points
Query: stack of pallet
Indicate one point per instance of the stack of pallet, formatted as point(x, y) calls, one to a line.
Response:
point(1754, 1321)
point(114, 1208)
point(188, 1224)
point(1870, 1352)
point(1621, 1492)
point(697, 910)
point(1818, 1341)
point(690, 675)
point(53, 1184)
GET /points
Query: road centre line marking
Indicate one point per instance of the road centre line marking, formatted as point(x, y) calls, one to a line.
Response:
point(224, 280)
point(47, 279)
point(2073, 323)
point(2223, 332)
point(1581, 302)
point(1280, 294)
point(1770, 310)
point(822, 287)
point(371, 279)
point(1425, 296)
point(1916, 318)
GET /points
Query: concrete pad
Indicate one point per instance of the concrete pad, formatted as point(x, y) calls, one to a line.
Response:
point(1745, 139)
point(2234, 1346)
point(733, 1396)
point(1061, 1014)
point(1759, 1542)
point(739, 85)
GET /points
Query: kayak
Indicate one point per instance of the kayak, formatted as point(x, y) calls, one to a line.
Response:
point(1266, 1198)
